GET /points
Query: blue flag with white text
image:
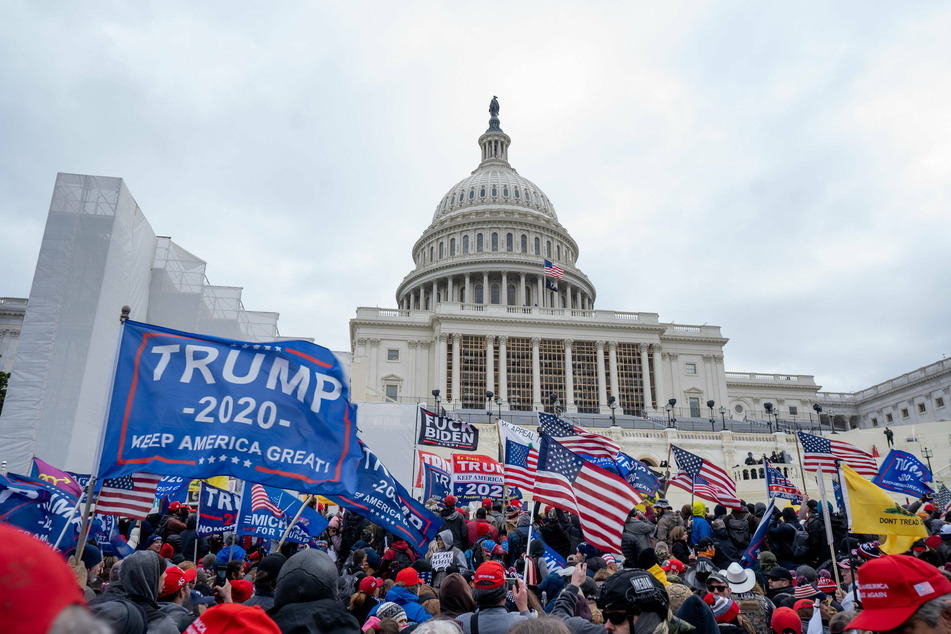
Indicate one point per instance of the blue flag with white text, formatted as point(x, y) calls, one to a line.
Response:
point(779, 486)
point(105, 530)
point(758, 540)
point(197, 406)
point(903, 472)
point(553, 561)
point(637, 474)
point(41, 509)
point(217, 510)
point(266, 512)
point(436, 482)
point(384, 501)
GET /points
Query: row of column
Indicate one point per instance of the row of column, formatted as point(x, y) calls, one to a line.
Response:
point(442, 351)
point(424, 296)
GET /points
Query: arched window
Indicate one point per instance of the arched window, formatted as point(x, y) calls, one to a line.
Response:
point(538, 246)
point(517, 194)
point(548, 248)
point(495, 294)
point(442, 249)
point(746, 474)
point(462, 294)
point(753, 473)
point(478, 294)
point(480, 243)
point(452, 247)
point(509, 242)
point(524, 243)
point(495, 190)
point(558, 252)
point(453, 200)
point(431, 254)
point(465, 244)
point(505, 191)
point(471, 194)
point(495, 241)
point(528, 295)
point(482, 192)
point(510, 295)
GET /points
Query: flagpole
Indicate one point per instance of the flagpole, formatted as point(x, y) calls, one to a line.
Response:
point(201, 496)
point(802, 469)
point(69, 521)
point(419, 413)
point(237, 521)
point(287, 531)
point(827, 520)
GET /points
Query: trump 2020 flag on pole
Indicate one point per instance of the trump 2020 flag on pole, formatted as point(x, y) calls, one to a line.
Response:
point(599, 498)
point(437, 483)
point(217, 510)
point(266, 512)
point(41, 509)
point(198, 406)
point(759, 537)
point(779, 486)
point(902, 472)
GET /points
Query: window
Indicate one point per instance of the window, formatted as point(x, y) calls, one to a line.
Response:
point(452, 247)
point(505, 191)
point(889, 418)
point(538, 246)
point(939, 402)
point(495, 241)
point(510, 295)
point(694, 406)
point(471, 194)
point(431, 253)
point(442, 250)
point(793, 410)
point(465, 244)
point(921, 408)
point(453, 200)
point(482, 193)
point(517, 194)
point(480, 243)
point(690, 368)
point(495, 191)
point(392, 392)
point(904, 412)
point(495, 294)
point(478, 294)
point(558, 252)
point(392, 354)
point(548, 248)
point(509, 242)
point(874, 422)
point(738, 409)
point(524, 243)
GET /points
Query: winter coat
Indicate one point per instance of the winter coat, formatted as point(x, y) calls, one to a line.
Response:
point(701, 528)
point(555, 533)
point(565, 610)
point(180, 615)
point(489, 531)
point(492, 620)
point(304, 601)
point(399, 546)
point(454, 521)
point(666, 523)
point(415, 612)
point(637, 531)
point(189, 536)
point(139, 583)
point(458, 561)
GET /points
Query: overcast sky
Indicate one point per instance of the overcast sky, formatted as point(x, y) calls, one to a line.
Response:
point(778, 169)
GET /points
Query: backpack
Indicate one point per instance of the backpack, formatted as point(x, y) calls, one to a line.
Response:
point(800, 545)
point(401, 559)
point(739, 531)
point(516, 540)
point(476, 555)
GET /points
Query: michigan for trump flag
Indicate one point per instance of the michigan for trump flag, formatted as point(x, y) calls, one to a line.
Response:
point(600, 499)
point(820, 454)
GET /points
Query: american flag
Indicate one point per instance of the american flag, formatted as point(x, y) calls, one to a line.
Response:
point(521, 461)
point(703, 489)
point(554, 270)
point(598, 497)
point(695, 466)
point(576, 439)
point(942, 500)
point(260, 501)
point(779, 486)
point(821, 454)
point(129, 496)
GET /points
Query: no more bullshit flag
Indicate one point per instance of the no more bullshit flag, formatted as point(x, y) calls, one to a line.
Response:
point(198, 406)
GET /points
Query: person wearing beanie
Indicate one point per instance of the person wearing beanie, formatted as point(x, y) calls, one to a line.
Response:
point(637, 530)
point(647, 560)
point(699, 527)
point(305, 596)
point(727, 613)
point(481, 528)
point(667, 519)
point(453, 520)
point(241, 590)
point(782, 535)
point(405, 593)
point(265, 581)
point(390, 610)
point(234, 618)
point(92, 559)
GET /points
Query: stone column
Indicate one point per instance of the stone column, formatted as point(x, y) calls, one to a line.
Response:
point(540, 295)
point(424, 368)
point(675, 376)
point(646, 374)
point(489, 364)
point(719, 380)
point(413, 379)
point(486, 296)
point(373, 379)
point(456, 341)
point(432, 304)
point(504, 290)
point(612, 367)
point(449, 290)
point(440, 373)
point(468, 290)
point(602, 388)
point(536, 376)
point(521, 297)
point(569, 379)
point(708, 380)
point(503, 370)
point(659, 375)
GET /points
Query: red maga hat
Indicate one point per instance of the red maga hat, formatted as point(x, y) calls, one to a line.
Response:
point(892, 588)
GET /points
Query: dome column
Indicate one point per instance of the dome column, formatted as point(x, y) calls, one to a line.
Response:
point(658, 374)
point(521, 283)
point(646, 374)
point(468, 290)
point(489, 368)
point(569, 379)
point(602, 388)
point(449, 290)
point(503, 370)
point(485, 288)
point(504, 289)
point(432, 302)
point(456, 341)
point(612, 367)
point(536, 376)
point(441, 350)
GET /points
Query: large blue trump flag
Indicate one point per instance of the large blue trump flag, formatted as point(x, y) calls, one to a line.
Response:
point(217, 510)
point(40, 508)
point(903, 472)
point(198, 406)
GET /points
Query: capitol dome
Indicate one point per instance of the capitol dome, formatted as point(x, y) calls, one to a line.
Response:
point(489, 239)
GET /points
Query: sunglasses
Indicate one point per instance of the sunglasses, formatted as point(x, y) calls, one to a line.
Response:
point(711, 588)
point(616, 618)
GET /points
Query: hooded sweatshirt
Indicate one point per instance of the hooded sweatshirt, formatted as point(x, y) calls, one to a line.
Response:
point(407, 600)
point(453, 520)
point(458, 561)
point(139, 584)
point(305, 597)
point(455, 596)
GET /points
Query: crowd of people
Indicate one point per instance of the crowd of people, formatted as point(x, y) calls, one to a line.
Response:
point(491, 571)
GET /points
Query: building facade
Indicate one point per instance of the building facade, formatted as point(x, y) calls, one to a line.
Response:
point(12, 310)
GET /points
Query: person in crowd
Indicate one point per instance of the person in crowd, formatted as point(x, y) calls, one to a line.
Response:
point(637, 530)
point(481, 527)
point(780, 585)
point(232, 551)
point(234, 617)
point(173, 595)
point(740, 526)
point(556, 529)
point(396, 558)
point(304, 598)
point(405, 592)
point(782, 536)
point(889, 437)
point(755, 608)
point(453, 520)
point(667, 520)
point(699, 527)
point(445, 564)
point(139, 583)
point(785, 621)
point(365, 598)
point(631, 602)
point(265, 581)
point(518, 537)
point(489, 593)
point(455, 596)
point(190, 539)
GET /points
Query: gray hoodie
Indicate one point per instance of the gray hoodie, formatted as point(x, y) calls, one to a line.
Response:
point(459, 560)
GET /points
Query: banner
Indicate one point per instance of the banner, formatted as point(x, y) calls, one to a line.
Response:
point(198, 406)
point(217, 510)
point(779, 486)
point(266, 512)
point(384, 501)
point(49, 474)
point(903, 472)
point(438, 483)
point(637, 474)
point(553, 561)
point(41, 509)
point(442, 431)
point(105, 530)
point(476, 477)
point(758, 540)
point(517, 434)
point(175, 488)
point(871, 511)
point(429, 458)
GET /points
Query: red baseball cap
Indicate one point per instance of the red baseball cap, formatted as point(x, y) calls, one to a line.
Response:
point(369, 584)
point(489, 575)
point(408, 577)
point(174, 581)
point(233, 618)
point(786, 619)
point(449, 500)
point(892, 588)
point(191, 574)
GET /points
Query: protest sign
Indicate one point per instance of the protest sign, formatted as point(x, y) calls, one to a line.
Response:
point(442, 560)
point(429, 458)
point(476, 477)
point(442, 431)
point(197, 406)
point(217, 510)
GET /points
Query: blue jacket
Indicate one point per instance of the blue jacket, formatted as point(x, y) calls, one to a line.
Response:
point(701, 528)
point(415, 613)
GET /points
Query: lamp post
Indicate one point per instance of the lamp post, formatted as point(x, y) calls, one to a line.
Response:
point(713, 422)
point(436, 399)
point(818, 410)
point(498, 401)
point(723, 417)
point(926, 453)
point(488, 397)
point(612, 403)
point(832, 421)
point(769, 415)
point(776, 418)
point(671, 421)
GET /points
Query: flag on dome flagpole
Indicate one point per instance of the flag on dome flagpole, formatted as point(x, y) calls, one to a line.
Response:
point(554, 270)
point(600, 499)
point(695, 466)
point(576, 439)
point(820, 454)
point(551, 286)
point(779, 486)
point(704, 489)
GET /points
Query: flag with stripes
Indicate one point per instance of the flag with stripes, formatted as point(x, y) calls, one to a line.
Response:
point(129, 496)
point(554, 270)
point(697, 466)
point(261, 502)
point(821, 453)
point(600, 499)
point(779, 486)
point(942, 499)
point(521, 461)
point(577, 439)
point(705, 490)
point(758, 540)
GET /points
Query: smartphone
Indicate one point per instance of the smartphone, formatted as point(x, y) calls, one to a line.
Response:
point(220, 572)
point(511, 583)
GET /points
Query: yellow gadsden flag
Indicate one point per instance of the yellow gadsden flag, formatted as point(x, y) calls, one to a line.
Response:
point(873, 512)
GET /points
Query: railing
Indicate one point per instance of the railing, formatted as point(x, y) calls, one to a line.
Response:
point(805, 379)
point(885, 387)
